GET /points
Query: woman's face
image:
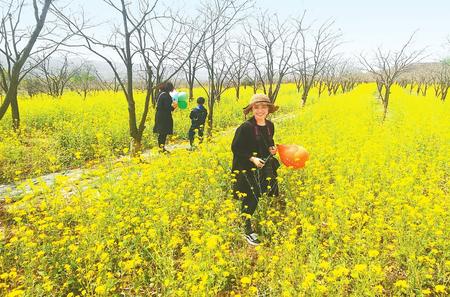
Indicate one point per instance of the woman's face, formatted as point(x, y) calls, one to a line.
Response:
point(260, 110)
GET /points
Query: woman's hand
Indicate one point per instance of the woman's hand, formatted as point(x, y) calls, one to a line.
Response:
point(174, 104)
point(273, 150)
point(257, 161)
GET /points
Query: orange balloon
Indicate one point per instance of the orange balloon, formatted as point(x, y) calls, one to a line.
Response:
point(293, 155)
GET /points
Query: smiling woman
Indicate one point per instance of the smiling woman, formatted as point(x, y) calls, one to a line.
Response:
point(253, 163)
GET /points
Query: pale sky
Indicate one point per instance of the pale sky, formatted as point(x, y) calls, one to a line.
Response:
point(365, 24)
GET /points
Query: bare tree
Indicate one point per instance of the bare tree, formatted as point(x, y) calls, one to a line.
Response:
point(222, 15)
point(271, 44)
point(223, 73)
point(32, 85)
point(240, 58)
point(419, 76)
point(425, 79)
point(350, 79)
point(330, 78)
point(297, 80)
point(55, 74)
point(16, 46)
point(337, 76)
point(441, 80)
point(313, 52)
point(252, 77)
point(193, 61)
point(158, 44)
point(85, 80)
point(388, 66)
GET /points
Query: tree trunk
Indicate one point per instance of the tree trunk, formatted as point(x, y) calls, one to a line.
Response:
point(444, 93)
point(210, 118)
point(380, 89)
point(4, 106)
point(154, 95)
point(15, 109)
point(437, 91)
point(330, 89)
point(135, 145)
point(191, 91)
point(305, 95)
point(132, 119)
point(298, 85)
point(320, 88)
point(11, 99)
point(336, 89)
point(386, 101)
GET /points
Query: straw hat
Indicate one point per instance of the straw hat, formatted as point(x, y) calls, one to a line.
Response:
point(260, 98)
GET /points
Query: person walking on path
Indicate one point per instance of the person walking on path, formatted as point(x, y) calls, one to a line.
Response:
point(163, 116)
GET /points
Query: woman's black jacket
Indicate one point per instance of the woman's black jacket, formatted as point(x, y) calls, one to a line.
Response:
point(245, 144)
point(163, 116)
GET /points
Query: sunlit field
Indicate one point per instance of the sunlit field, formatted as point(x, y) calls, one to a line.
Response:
point(368, 215)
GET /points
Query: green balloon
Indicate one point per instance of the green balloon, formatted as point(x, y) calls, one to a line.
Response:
point(182, 104)
point(182, 96)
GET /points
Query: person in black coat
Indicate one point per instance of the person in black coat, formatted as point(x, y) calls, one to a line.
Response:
point(198, 118)
point(163, 117)
point(254, 165)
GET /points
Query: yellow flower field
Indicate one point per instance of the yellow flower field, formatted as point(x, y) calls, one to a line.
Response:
point(57, 134)
point(368, 216)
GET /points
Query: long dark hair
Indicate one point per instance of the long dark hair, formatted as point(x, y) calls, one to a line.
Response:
point(166, 87)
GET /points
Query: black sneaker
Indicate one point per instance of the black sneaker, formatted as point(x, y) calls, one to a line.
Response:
point(252, 239)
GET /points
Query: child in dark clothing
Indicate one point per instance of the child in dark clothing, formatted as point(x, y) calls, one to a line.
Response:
point(198, 118)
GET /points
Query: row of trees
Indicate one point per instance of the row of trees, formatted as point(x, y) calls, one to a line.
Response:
point(152, 44)
point(55, 78)
point(423, 77)
point(149, 44)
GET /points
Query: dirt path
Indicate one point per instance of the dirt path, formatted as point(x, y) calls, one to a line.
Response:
point(73, 175)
